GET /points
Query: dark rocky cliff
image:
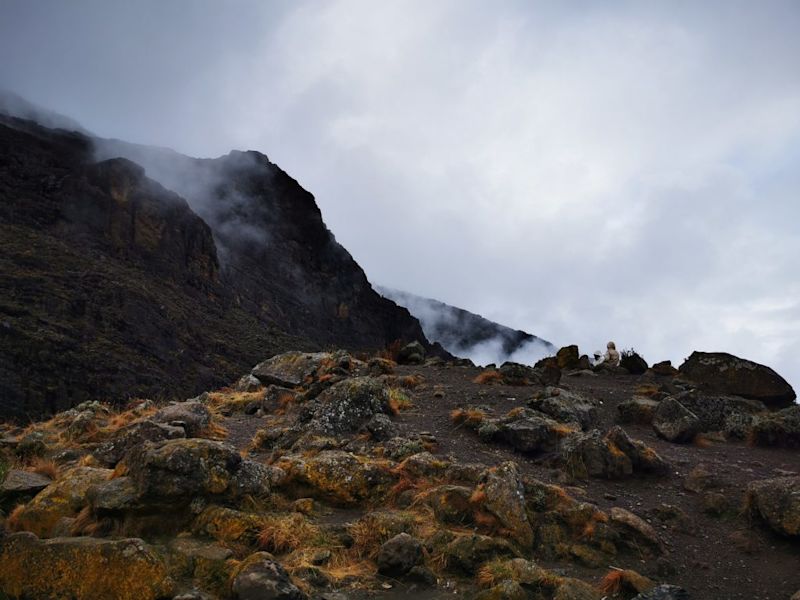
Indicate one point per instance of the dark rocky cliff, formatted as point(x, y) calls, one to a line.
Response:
point(113, 286)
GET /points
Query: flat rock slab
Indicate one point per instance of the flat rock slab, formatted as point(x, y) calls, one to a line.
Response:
point(20, 483)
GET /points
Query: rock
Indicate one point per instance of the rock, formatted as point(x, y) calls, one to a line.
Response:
point(638, 410)
point(397, 556)
point(422, 575)
point(634, 363)
point(31, 444)
point(381, 427)
point(777, 502)
point(715, 504)
point(664, 592)
point(720, 413)
point(505, 590)
point(254, 479)
point(337, 477)
point(634, 531)
point(517, 374)
point(176, 471)
point(380, 366)
point(568, 357)
point(699, 479)
point(203, 562)
point(674, 422)
point(81, 568)
point(248, 383)
point(467, 552)
point(612, 456)
point(780, 429)
point(566, 407)
point(723, 373)
point(113, 497)
point(132, 436)
point(411, 354)
point(347, 406)
point(529, 431)
point(664, 368)
point(291, 369)
point(505, 499)
point(192, 416)
point(62, 498)
point(575, 589)
point(450, 503)
point(18, 484)
point(228, 525)
point(260, 577)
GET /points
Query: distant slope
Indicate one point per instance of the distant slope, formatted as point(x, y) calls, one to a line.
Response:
point(469, 335)
point(113, 285)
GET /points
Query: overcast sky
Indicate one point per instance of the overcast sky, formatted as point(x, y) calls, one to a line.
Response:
point(582, 170)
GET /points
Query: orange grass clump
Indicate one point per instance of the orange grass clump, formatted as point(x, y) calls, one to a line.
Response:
point(488, 377)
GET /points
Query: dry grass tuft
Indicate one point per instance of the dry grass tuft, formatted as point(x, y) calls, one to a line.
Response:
point(701, 441)
point(399, 400)
point(84, 524)
point(284, 533)
point(647, 389)
point(392, 351)
point(468, 416)
point(494, 572)
point(488, 377)
point(12, 520)
point(45, 467)
point(625, 583)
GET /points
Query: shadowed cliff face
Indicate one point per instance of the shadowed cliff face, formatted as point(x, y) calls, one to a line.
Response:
point(113, 286)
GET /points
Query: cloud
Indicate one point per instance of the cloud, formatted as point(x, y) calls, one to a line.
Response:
point(581, 171)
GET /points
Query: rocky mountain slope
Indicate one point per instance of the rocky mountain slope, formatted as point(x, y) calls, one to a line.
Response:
point(114, 286)
point(323, 476)
point(467, 334)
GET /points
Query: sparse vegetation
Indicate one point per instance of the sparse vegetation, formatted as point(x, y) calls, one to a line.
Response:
point(490, 376)
point(399, 400)
point(468, 416)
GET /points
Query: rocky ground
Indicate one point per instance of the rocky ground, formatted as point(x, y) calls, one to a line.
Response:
point(324, 476)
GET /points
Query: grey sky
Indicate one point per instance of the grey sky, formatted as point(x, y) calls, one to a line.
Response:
point(585, 171)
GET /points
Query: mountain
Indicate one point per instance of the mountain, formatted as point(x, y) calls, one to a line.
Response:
point(470, 335)
point(114, 285)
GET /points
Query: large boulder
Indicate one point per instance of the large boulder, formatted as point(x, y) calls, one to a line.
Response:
point(294, 369)
point(81, 568)
point(632, 362)
point(505, 499)
point(781, 428)
point(260, 577)
point(466, 553)
point(110, 452)
point(674, 422)
point(717, 412)
point(62, 498)
point(568, 357)
point(635, 532)
point(566, 407)
point(723, 373)
point(777, 502)
point(21, 484)
point(346, 406)
point(611, 456)
point(526, 430)
point(639, 410)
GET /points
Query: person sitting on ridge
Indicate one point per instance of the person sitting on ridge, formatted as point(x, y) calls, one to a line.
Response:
point(610, 358)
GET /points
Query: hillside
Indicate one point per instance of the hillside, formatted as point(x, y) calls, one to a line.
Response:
point(113, 286)
point(467, 334)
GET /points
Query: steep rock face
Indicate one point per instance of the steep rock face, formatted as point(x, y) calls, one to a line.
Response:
point(113, 286)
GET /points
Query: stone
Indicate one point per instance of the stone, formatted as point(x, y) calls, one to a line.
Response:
point(505, 590)
point(411, 354)
point(529, 431)
point(381, 428)
point(22, 483)
point(450, 503)
point(638, 410)
point(248, 383)
point(260, 577)
point(634, 531)
point(723, 373)
point(611, 456)
point(347, 406)
point(777, 502)
point(566, 407)
point(568, 357)
point(291, 369)
point(254, 479)
point(779, 429)
point(110, 452)
point(664, 369)
point(82, 568)
point(674, 422)
point(206, 563)
point(632, 362)
point(398, 555)
point(505, 499)
point(466, 553)
point(193, 416)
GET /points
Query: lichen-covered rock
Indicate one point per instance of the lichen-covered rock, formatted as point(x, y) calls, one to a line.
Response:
point(527, 430)
point(505, 590)
point(193, 416)
point(205, 563)
point(110, 452)
point(291, 369)
point(780, 429)
point(228, 525)
point(613, 456)
point(62, 498)
point(260, 577)
point(338, 477)
point(716, 411)
point(411, 354)
point(398, 555)
point(450, 503)
point(637, 410)
point(777, 502)
point(674, 422)
point(505, 499)
point(517, 374)
point(178, 470)
point(347, 406)
point(568, 357)
point(664, 592)
point(466, 553)
point(248, 383)
point(723, 373)
point(254, 479)
point(381, 428)
point(19, 484)
point(566, 407)
point(81, 568)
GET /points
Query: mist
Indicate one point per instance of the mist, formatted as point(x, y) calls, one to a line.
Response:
point(582, 172)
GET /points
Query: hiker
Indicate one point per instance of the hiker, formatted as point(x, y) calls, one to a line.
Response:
point(610, 358)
